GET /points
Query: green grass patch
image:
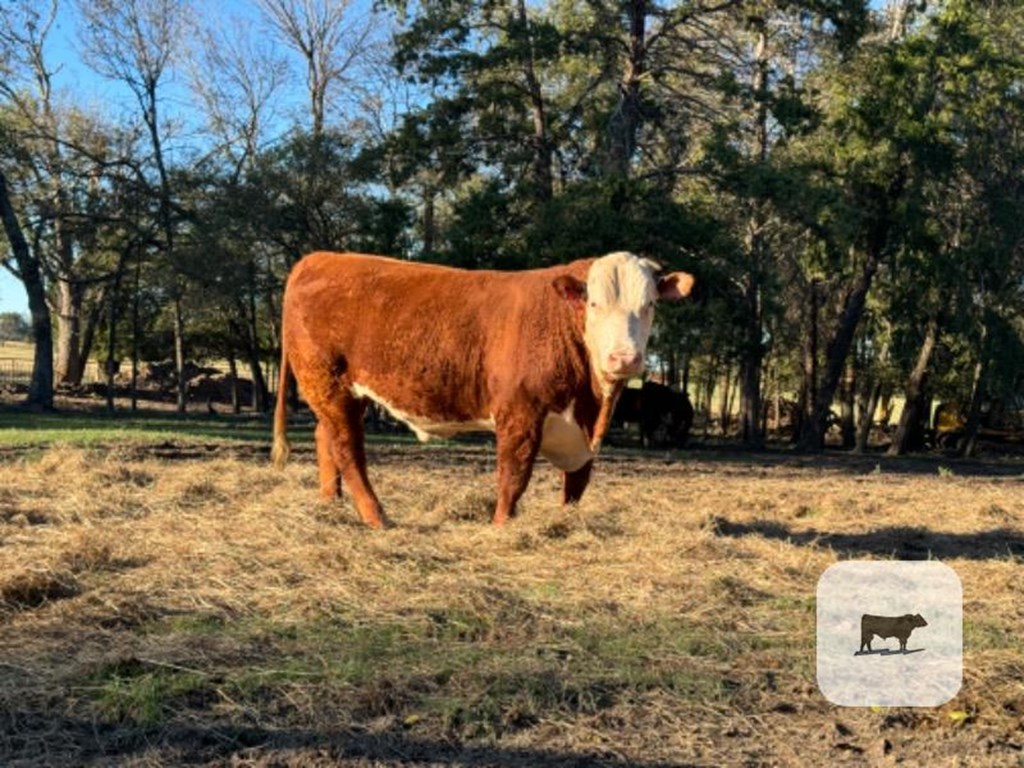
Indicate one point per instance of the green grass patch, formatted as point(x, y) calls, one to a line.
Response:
point(91, 429)
point(468, 674)
point(984, 635)
point(20, 428)
point(147, 694)
point(797, 603)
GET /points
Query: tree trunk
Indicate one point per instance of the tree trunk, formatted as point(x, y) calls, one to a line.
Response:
point(899, 12)
point(111, 367)
point(179, 352)
point(869, 405)
point(273, 314)
point(625, 122)
point(68, 367)
point(727, 396)
point(429, 225)
point(93, 315)
point(969, 442)
point(709, 390)
point(749, 382)
point(260, 401)
point(753, 353)
point(846, 408)
point(236, 401)
point(40, 390)
point(914, 391)
point(135, 329)
point(671, 377)
point(541, 171)
point(809, 392)
point(813, 435)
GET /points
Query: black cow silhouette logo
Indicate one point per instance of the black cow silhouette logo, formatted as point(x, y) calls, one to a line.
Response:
point(899, 627)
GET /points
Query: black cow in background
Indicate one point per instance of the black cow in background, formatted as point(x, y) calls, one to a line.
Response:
point(663, 415)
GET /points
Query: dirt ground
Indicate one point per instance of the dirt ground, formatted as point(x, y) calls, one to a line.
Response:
point(168, 606)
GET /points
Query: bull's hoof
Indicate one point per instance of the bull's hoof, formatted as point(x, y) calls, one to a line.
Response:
point(378, 521)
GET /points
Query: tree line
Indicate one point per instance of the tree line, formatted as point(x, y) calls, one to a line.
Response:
point(845, 179)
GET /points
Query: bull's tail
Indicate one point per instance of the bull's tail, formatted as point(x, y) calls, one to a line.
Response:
point(281, 449)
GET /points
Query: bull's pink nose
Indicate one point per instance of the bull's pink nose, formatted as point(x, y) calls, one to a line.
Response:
point(625, 361)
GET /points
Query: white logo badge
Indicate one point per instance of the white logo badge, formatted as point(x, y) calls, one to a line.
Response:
point(890, 633)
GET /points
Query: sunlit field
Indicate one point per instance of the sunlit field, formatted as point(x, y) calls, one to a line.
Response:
point(167, 604)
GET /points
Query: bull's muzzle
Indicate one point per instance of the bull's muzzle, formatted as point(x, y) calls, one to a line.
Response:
point(624, 363)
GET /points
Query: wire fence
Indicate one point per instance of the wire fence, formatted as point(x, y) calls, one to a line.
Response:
point(14, 371)
point(18, 370)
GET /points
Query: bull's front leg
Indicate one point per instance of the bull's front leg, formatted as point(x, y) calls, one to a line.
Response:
point(330, 477)
point(518, 439)
point(575, 483)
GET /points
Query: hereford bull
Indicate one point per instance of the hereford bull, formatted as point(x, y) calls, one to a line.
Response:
point(538, 357)
point(899, 627)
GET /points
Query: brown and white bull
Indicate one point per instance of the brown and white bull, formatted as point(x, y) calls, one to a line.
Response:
point(538, 357)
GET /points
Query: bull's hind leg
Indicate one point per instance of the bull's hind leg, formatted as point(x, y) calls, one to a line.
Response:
point(575, 483)
point(342, 420)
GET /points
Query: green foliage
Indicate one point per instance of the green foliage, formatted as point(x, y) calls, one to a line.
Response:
point(14, 327)
point(610, 215)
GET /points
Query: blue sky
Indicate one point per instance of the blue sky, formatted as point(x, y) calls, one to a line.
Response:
point(12, 295)
point(84, 87)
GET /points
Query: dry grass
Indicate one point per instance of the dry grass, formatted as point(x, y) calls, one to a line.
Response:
point(159, 611)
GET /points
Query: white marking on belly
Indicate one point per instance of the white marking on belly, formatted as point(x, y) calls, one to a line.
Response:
point(423, 426)
point(563, 441)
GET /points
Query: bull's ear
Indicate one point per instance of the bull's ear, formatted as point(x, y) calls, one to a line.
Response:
point(675, 286)
point(571, 288)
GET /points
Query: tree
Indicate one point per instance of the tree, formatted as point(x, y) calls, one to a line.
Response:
point(14, 327)
point(134, 43)
point(331, 39)
point(774, 107)
point(870, 147)
point(26, 264)
point(237, 100)
point(477, 58)
point(26, 268)
point(235, 75)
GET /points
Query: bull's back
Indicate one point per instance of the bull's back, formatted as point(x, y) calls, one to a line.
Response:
point(424, 339)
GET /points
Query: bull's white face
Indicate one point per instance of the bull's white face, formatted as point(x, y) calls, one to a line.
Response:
point(620, 294)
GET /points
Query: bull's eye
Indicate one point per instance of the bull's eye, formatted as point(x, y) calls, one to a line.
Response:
point(593, 305)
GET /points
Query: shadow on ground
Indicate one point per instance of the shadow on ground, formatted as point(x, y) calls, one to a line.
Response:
point(28, 738)
point(899, 542)
point(888, 652)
